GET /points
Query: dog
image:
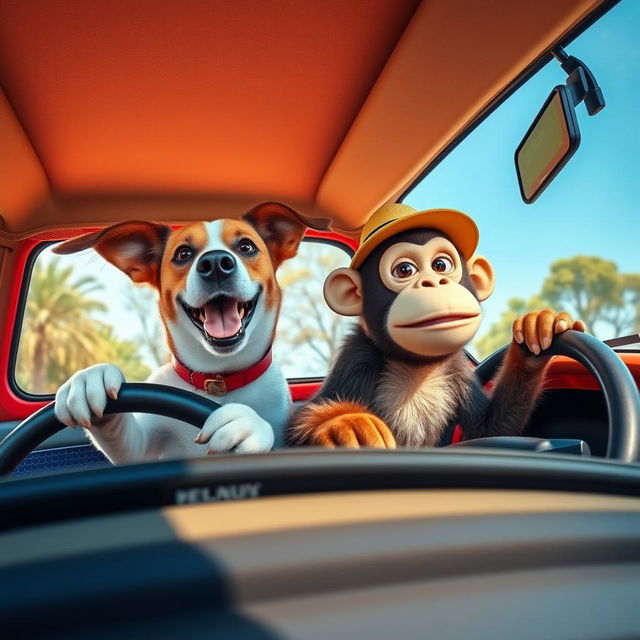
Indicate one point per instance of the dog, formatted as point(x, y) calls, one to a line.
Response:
point(219, 302)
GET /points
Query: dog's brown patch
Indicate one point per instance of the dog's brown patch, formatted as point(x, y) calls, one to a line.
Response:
point(259, 265)
point(173, 277)
point(167, 333)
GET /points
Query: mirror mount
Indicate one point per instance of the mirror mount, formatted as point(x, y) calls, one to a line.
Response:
point(554, 135)
point(581, 82)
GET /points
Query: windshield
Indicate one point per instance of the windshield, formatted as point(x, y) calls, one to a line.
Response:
point(572, 249)
point(575, 247)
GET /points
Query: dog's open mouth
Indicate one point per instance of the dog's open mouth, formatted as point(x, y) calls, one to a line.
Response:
point(223, 320)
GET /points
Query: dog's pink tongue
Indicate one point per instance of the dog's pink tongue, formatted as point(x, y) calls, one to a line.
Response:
point(221, 319)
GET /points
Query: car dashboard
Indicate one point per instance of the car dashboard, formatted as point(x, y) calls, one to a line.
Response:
point(456, 562)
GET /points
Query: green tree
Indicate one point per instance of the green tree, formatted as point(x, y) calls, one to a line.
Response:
point(627, 318)
point(500, 332)
point(60, 333)
point(590, 288)
point(144, 303)
point(125, 354)
point(307, 326)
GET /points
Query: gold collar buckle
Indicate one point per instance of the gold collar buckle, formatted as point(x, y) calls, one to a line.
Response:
point(215, 386)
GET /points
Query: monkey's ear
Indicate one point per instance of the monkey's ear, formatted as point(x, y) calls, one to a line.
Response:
point(482, 276)
point(343, 292)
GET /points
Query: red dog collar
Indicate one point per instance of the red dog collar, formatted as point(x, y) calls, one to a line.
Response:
point(217, 384)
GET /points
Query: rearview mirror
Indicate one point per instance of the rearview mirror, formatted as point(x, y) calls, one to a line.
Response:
point(548, 144)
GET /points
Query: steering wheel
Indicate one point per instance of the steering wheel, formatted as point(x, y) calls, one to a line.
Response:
point(141, 397)
point(617, 383)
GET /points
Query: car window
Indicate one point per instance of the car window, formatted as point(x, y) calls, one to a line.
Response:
point(309, 333)
point(575, 248)
point(80, 310)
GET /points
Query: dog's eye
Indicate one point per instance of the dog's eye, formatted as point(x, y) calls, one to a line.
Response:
point(183, 254)
point(246, 246)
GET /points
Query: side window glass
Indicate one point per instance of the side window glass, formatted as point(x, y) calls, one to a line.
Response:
point(309, 333)
point(80, 310)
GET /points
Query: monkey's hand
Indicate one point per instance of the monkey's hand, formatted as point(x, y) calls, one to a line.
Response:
point(535, 330)
point(354, 430)
point(341, 424)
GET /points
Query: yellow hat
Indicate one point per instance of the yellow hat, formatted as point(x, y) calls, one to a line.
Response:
point(394, 218)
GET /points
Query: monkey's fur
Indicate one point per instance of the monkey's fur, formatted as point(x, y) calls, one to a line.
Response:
point(380, 394)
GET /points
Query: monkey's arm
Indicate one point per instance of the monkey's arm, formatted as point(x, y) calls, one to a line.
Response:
point(519, 382)
point(515, 393)
point(339, 414)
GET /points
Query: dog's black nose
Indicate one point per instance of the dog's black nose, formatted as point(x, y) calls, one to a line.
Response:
point(216, 265)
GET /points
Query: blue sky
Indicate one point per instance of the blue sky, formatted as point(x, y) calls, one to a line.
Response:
point(591, 207)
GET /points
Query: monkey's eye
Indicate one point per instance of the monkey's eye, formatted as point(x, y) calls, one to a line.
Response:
point(183, 254)
point(442, 265)
point(246, 246)
point(404, 270)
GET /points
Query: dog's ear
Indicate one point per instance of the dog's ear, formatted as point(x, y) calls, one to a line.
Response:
point(134, 247)
point(282, 228)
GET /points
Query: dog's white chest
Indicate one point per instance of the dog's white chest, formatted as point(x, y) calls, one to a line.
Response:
point(268, 396)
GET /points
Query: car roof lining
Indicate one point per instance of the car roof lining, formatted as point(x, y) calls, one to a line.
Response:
point(72, 160)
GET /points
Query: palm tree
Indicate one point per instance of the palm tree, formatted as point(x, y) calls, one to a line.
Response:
point(124, 353)
point(151, 336)
point(59, 334)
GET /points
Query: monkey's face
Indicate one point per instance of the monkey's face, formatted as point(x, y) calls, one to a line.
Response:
point(433, 313)
point(415, 295)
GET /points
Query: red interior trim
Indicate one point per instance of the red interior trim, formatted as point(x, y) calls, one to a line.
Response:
point(565, 373)
point(11, 406)
point(304, 390)
point(333, 237)
point(458, 435)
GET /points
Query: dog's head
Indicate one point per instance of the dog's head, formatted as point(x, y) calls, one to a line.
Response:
point(217, 287)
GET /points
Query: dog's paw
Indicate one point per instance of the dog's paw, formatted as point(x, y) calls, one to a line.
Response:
point(81, 399)
point(238, 428)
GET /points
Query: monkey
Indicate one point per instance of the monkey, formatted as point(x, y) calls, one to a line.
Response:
point(402, 377)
